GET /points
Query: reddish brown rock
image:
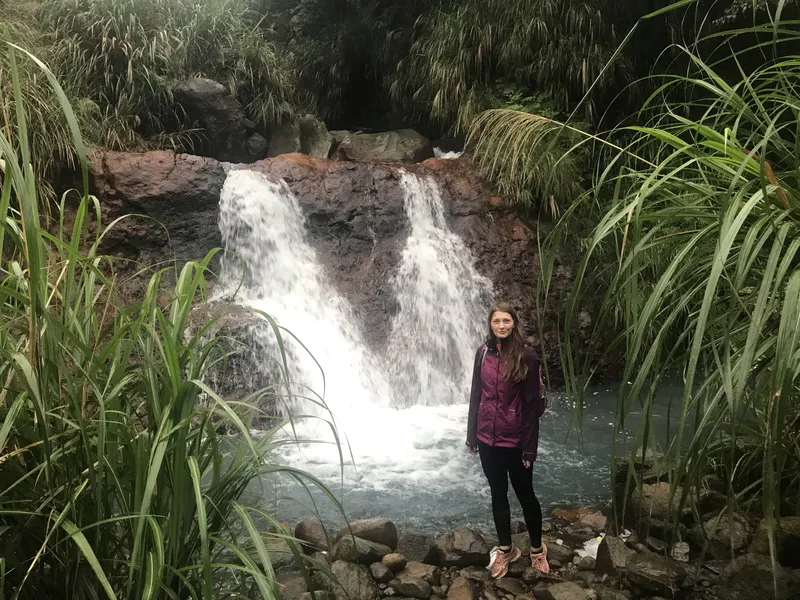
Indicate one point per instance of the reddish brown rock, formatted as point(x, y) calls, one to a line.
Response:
point(355, 220)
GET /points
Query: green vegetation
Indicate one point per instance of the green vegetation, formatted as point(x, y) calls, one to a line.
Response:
point(118, 60)
point(700, 214)
point(114, 481)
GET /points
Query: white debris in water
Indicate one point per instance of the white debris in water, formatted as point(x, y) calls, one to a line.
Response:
point(590, 547)
point(439, 153)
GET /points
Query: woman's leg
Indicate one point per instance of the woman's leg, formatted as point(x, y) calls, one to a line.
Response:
point(495, 467)
point(522, 482)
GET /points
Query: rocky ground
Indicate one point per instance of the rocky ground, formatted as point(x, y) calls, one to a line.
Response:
point(371, 560)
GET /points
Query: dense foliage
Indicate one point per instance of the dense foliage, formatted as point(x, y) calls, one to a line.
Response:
point(701, 210)
point(117, 62)
point(114, 480)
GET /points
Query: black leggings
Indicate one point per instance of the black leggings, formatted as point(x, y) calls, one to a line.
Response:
point(500, 464)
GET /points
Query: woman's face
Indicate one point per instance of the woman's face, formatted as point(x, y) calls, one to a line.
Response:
point(502, 324)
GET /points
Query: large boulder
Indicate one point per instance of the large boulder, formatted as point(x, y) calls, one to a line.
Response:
point(312, 534)
point(285, 139)
point(356, 550)
point(418, 570)
point(412, 587)
point(380, 531)
point(462, 589)
point(788, 541)
point(352, 582)
point(418, 547)
point(723, 536)
point(566, 590)
point(401, 146)
point(751, 576)
point(655, 500)
point(315, 140)
point(612, 556)
point(655, 574)
point(214, 108)
point(463, 547)
point(356, 224)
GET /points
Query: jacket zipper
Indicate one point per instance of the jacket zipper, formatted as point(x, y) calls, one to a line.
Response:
point(496, 399)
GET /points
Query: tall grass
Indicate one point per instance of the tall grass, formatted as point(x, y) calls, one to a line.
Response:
point(113, 480)
point(118, 60)
point(706, 280)
point(696, 239)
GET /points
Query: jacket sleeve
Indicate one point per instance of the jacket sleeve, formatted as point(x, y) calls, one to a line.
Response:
point(533, 406)
point(474, 401)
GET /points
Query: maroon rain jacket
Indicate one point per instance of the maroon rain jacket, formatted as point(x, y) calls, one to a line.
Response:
point(502, 412)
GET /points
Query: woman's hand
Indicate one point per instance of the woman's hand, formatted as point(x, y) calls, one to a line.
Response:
point(527, 464)
point(473, 450)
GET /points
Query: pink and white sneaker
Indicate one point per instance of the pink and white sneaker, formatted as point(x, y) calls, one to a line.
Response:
point(539, 560)
point(499, 561)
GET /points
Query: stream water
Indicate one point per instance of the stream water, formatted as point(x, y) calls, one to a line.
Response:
point(400, 416)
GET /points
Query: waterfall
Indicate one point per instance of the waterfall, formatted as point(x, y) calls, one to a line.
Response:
point(443, 301)
point(269, 265)
point(400, 414)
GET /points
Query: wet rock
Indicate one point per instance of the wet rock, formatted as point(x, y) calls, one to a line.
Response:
point(517, 568)
point(312, 534)
point(653, 500)
point(353, 582)
point(412, 587)
point(655, 574)
point(750, 577)
point(566, 590)
point(381, 573)
point(418, 570)
point(523, 542)
point(316, 595)
point(587, 563)
point(554, 563)
point(357, 550)
point(583, 517)
point(285, 139)
point(462, 589)
point(292, 588)
point(396, 562)
point(512, 586)
point(607, 593)
point(401, 146)
point(222, 118)
point(315, 140)
point(463, 547)
point(280, 550)
point(788, 541)
point(612, 556)
point(580, 534)
point(475, 573)
point(656, 545)
point(560, 552)
point(356, 224)
point(724, 534)
point(379, 531)
point(519, 527)
point(416, 546)
point(490, 592)
point(585, 578)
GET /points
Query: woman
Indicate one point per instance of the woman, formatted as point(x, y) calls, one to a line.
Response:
point(506, 402)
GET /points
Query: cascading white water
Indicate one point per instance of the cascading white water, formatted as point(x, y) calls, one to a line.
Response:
point(269, 265)
point(442, 301)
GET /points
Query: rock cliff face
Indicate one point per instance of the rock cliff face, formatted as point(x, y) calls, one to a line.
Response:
point(355, 219)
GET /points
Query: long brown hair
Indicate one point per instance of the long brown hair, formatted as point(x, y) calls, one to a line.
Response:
point(514, 364)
